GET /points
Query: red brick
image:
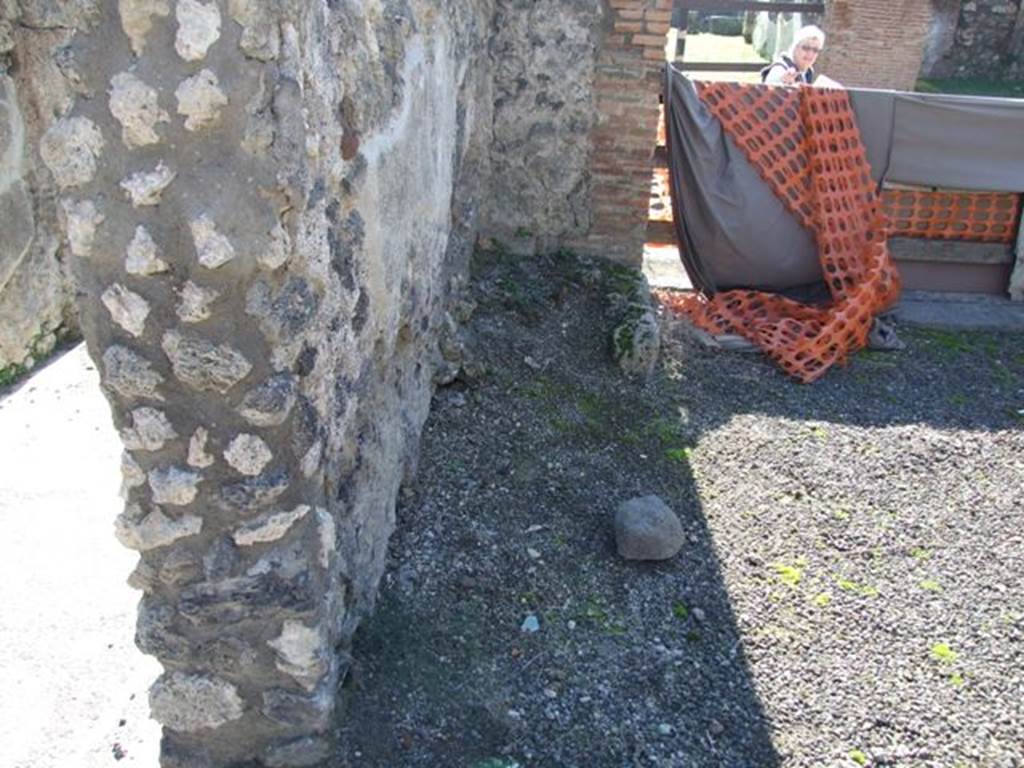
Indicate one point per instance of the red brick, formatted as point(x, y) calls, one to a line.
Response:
point(658, 41)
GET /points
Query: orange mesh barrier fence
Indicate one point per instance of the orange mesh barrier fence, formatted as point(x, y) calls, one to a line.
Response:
point(987, 217)
point(805, 144)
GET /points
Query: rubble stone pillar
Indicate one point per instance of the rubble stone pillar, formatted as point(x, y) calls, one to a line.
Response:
point(262, 241)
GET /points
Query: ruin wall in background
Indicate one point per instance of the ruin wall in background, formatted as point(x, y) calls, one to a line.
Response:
point(875, 43)
point(976, 39)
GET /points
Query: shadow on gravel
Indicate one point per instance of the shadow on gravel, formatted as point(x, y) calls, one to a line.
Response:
point(525, 459)
point(523, 464)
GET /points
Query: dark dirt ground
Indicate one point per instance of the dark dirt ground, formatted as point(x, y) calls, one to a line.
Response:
point(850, 592)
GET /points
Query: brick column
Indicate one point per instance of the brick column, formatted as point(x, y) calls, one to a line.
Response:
point(875, 43)
point(627, 82)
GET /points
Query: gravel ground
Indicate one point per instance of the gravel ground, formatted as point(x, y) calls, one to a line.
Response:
point(850, 592)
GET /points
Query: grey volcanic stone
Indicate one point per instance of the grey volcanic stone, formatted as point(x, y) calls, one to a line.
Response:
point(155, 633)
point(184, 702)
point(154, 530)
point(173, 485)
point(646, 529)
point(146, 187)
point(213, 249)
point(248, 454)
point(130, 375)
point(81, 219)
point(136, 107)
point(269, 527)
point(150, 430)
point(70, 150)
point(204, 365)
point(269, 404)
point(179, 567)
point(302, 653)
point(195, 302)
point(286, 313)
point(290, 709)
point(127, 308)
point(137, 19)
point(140, 257)
point(221, 559)
point(247, 598)
point(254, 492)
point(200, 100)
point(198, 29)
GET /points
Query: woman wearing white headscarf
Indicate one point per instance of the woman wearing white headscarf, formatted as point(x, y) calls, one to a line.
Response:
point(796, 65)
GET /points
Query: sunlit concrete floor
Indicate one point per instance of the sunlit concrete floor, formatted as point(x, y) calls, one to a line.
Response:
point(74, 687)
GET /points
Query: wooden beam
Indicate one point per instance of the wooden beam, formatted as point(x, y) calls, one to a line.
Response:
point(732, 6)
point(720, 66)
point(950, 251)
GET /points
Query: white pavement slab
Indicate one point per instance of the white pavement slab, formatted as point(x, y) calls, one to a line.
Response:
point(73, 686)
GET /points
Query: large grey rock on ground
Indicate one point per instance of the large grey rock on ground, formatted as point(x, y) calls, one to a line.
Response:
point(646, 529)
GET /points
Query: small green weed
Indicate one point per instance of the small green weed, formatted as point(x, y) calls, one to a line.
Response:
point(942, 653)
point(930, 586)
point(848, 585)
point(667, 431)
point(956, 680)
point(679, 609)
point(822, 600)
point(878, 358)
point(947, 342)
point(790, 574)
point(819, 433)
point(858, 757)
point(681, 455)
point(920, 553)
point(541, 388)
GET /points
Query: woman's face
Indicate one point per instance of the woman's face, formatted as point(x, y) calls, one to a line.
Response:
point(806, 52)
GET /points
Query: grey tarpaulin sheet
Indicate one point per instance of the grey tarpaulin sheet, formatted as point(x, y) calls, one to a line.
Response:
point(736, 233)
point(734, 230)
point(961, 142)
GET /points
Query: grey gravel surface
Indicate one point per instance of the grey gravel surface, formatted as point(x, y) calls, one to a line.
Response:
point(849, 591)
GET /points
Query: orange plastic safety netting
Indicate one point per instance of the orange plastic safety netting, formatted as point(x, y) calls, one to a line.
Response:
point(805, 144)
point(985, 217)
